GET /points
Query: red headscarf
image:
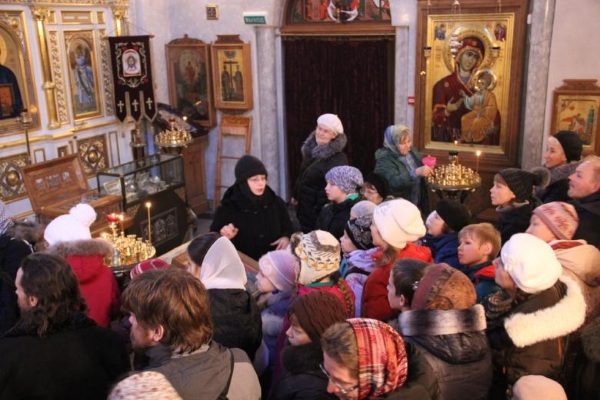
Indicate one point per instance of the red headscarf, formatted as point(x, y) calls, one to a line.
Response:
point(382, 360)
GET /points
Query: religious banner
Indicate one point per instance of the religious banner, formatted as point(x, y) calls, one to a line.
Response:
point(132, 76)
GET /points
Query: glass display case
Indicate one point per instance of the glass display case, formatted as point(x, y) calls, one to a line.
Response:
point(139, 180)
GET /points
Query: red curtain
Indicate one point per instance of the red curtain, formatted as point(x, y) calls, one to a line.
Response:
point(352, 77)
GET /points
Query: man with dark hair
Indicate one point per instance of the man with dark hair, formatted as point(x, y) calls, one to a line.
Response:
point(55, 351)
point(171, 321)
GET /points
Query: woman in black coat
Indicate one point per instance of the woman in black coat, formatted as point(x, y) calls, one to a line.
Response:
point(322, 150)
point(251, 215)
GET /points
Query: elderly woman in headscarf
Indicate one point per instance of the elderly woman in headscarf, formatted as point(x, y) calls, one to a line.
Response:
point(366, 359)
point(401, 165)
point(15, 245)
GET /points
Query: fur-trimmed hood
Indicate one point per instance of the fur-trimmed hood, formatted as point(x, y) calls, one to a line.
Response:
point(564, 317)
point(313, 151)
point(455, 336)
point(86, 257)
point(30, 232)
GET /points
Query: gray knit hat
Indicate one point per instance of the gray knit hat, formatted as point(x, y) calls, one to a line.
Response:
point(347, 178)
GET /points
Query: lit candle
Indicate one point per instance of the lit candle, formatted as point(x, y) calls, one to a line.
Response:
point(477, 154)
point(456, 142)
point(148, 206)
point(122, 218)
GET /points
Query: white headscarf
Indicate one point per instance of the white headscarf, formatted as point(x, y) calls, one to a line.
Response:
point(222, 267)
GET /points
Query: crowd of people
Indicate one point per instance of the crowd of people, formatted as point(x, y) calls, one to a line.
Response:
point(366, 295)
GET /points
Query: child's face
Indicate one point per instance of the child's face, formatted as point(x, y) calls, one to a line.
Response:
point(396, 301)
point(503, 278)
point(296, 335)
point(471, 251)
point(377, 239)
point(347, 245)
point(538, 228)
point(263, 284)
point(434, 224)
point(334, 193)
point(501, 194)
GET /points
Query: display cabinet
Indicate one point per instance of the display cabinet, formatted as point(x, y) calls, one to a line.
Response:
point(153, 192)
point(138, 180)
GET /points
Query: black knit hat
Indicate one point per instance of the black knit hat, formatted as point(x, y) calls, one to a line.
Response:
point(316, 311)
point(454, 214)
point(359, 232)
point(379, 182)
point(247, 167)
point(521, 182)
point(571, 144)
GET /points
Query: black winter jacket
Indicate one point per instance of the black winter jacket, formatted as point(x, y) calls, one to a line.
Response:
point(334, 216)
point(588, 211)
point(514, 220)
point(455, 346)
point(236, 319)
point(260, 220)
point(309, 189)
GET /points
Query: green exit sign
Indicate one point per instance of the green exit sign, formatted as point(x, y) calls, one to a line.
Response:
point(255, 19)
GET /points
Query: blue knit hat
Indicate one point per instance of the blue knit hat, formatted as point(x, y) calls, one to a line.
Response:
point(347, 178)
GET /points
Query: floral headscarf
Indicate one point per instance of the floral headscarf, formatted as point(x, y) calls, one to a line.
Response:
point(5, 219)
point(382, 359)
point(391, 137)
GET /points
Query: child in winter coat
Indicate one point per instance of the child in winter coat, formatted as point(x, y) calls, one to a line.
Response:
point(556, 223)
point(478, 245)
point(310, 316)
point(529, 320)
point(443, 225)
point(276, 279)
point(397, 224)
point(343, 184)
point(362, 208)
point(444, 321)
point(358, 249)
point(512, 194)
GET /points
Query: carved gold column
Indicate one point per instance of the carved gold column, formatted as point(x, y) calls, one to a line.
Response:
point(120, 16)
point(41, 14)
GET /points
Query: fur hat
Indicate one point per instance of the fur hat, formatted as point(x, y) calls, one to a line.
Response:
point(399, 221)
point(379, 182)
point(319, 254)
point(316, 311)
point(530, 262)
point(281, 268)
point(150, 264)
point(247, 167)
point(146, 385)
point(359, 232)
point(72, 226)
point(332, 122)
point(454, 214)
point(561, 218)
point(521, 182)
point(444, 288)
point(533, 387)
point(363, 208)
point(571, 144)
point(347, 178)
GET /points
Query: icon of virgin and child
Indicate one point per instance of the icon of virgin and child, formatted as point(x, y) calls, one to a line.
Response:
point(464, 105)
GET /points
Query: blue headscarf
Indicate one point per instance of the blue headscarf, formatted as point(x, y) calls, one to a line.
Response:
point(391, 137)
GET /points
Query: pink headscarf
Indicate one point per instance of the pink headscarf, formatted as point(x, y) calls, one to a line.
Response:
point(382, 359)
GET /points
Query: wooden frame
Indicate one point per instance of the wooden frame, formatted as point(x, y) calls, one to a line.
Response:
point(190, 86)
point(15, 58)
point(80, 46)
point(576, 107)
point(232, 73)
point(443, 38)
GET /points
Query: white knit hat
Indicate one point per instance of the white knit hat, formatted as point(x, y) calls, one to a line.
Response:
point(398, 222)
point(281, 268)
point(332, 122)
point(319, 254)
point(530, 262)
point(72, 226)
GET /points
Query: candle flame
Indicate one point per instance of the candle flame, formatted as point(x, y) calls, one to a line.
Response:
point(148, 204)
point(478, 153)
